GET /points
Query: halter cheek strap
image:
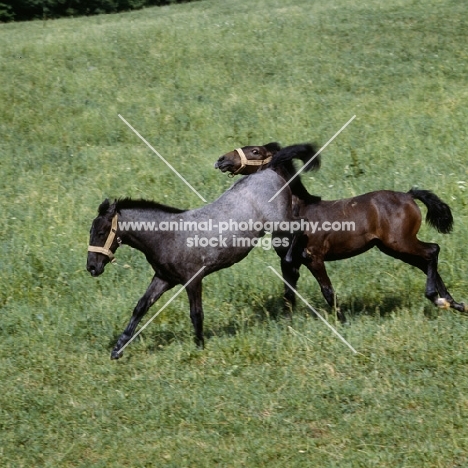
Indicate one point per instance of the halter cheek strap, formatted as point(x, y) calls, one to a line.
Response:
point(110, 239)
point(249, 162)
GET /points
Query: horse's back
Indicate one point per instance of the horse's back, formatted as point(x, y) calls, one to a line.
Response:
point(382, 214)
point(251, 195)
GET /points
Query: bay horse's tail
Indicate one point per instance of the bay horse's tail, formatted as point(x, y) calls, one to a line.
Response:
point(439, 215)
point(305, 152)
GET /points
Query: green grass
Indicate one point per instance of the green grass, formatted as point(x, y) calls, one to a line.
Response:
point(196, 81)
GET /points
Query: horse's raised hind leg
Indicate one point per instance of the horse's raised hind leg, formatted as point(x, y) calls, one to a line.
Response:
point(445, 300)
point(156, 288)
point(317, 267)
point(424, 255)
point(436, 290)
point(194, 293)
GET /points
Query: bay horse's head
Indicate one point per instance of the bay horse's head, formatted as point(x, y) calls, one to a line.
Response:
point(102, 238)
point(248, 159)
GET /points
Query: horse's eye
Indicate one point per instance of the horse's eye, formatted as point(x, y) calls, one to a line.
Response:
point(101, 233)
point(255, 151)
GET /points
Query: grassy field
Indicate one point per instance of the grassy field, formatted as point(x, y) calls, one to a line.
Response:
point(198, 80)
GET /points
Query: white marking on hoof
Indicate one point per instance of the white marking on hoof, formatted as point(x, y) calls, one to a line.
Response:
point(443, 303)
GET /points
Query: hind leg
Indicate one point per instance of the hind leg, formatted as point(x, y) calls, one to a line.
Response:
point(430, 268)
point(424, 256)
point(317, 267)
point(436, 290)
point(446, 301)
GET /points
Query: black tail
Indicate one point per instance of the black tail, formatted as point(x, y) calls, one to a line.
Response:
point(305, 152)
point(439, 215)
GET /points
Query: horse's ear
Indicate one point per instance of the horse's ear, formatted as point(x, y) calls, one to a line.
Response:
point(112, 208)
point(107, 208)
point(103, 207)
point(272, 147)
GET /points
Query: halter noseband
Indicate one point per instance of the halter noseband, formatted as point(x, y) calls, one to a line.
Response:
point(110, 239)
point(249, 162)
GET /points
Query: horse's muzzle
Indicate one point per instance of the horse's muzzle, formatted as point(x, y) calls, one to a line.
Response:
point(92, 270)
point(222, 164)
point(95, 268)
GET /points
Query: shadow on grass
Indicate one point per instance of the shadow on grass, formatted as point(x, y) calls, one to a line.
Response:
point(351, 306)
point(157, 340)
point(383, 307)
point(273, 309)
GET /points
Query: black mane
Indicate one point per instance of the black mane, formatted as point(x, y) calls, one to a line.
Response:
point(126, 203)
point(305, 152)
point(282, 159)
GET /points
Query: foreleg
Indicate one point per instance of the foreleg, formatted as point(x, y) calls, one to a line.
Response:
point(317, 267)
point(291, 276)
point(156, 288)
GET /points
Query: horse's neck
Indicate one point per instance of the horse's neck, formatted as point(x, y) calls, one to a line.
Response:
point(135, 225)
point(145, 214)
point(137, 214)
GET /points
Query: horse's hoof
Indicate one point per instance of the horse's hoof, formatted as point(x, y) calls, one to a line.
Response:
point(200, 344)
point(340, 316)
point(288, 305)
point(115, 354)
point(442, 303)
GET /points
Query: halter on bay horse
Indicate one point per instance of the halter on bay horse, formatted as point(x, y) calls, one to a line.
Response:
point(173, 253)
point(385, 219)
point(261, 157)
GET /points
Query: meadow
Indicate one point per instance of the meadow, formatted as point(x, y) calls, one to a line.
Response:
point(197, 80)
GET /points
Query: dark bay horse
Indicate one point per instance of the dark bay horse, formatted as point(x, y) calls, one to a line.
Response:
point(345, 228)
point(178, 243)
point(259, 158)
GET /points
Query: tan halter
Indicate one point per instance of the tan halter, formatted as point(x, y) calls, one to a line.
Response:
point(110, 239)
point(249, 162)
